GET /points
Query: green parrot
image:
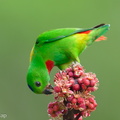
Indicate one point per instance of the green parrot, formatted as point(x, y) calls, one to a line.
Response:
point(59, 47)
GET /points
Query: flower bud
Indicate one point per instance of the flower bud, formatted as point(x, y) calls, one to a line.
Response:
point(69, 69)
point(80, 118)
point(72, 81)
point(56, 107)
point(57, 89)
point(70, 98)
point(83, 86)
point(80, 100)
point(76, 87)
point(74, 101)
point(80, 80)
point(92, 83)
point(50, 111)
point(91, 106)
point(70, 74)
point(86, 82)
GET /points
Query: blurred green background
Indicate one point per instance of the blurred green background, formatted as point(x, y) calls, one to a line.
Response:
point(21, 21)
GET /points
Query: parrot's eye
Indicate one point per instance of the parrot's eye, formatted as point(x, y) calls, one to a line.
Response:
point(38, 84)
point(37, 42)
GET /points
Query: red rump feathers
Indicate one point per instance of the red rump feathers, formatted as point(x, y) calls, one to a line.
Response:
point(85, 32)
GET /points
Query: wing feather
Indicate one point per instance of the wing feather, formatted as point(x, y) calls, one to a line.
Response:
point(57, 34)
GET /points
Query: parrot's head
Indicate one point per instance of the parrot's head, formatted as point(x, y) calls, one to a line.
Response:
point(38, 77)
point(38, 83)
point(95, 34)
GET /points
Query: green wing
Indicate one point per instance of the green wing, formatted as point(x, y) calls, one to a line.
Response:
point(57, 34)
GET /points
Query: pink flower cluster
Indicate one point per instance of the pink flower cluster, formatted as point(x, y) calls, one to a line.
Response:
point(72, 92)
point(56, 109)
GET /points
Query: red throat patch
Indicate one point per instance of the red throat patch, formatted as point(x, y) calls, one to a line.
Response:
point(85, 32)
point(49, 65)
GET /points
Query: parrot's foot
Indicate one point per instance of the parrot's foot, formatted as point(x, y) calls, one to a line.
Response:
point(48, 90)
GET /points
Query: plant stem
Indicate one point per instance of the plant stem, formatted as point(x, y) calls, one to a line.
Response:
point(69, 115)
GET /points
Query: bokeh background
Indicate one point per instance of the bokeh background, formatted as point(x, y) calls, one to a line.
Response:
point(21, 21)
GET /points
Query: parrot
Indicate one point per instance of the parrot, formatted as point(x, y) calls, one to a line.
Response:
point(58, 47)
